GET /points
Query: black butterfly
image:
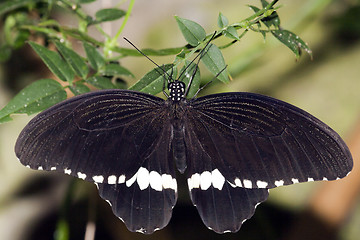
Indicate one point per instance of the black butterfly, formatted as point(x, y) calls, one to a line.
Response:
point(232, 147)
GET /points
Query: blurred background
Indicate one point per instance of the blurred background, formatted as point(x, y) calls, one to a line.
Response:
point(39, 205)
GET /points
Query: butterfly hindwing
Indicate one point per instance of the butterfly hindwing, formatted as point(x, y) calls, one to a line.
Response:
point(116, 138)
point(222, 206)
point(145, 201)
point(260, 142)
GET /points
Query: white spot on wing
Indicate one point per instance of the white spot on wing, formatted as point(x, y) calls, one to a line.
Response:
point(218, 179)
point(279, 183)
point(231, 184)
point(196, 180)
point(121, 179)
point(81, 175)
point(111, 179)
point(141, 230)
point(108, 202)
point(98, 179)
point(67, 171)
point(167, 181)
point(155, 181)
point(143, 178)
point(257, 204)
point(295, 180)
point(325, 179)
point(310, 179)
point(53, 168)
point(131, 180)
point(247, 183)
point(261, 184)
point(238, 182)
point(190, 183)
point(40, 168)
point(205, 180)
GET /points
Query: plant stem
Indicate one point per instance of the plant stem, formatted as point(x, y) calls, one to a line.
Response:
point(127, 15)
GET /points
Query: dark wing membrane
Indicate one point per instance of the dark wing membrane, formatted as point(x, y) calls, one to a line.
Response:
point(149, 207)
point(260, 142)
point(223, 207)
point(109, 137)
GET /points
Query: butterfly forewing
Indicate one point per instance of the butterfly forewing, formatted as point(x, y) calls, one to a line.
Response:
point(115, 138)
point(260, 142)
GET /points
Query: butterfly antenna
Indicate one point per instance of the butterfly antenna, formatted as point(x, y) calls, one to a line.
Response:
point(193, 74)
point(168, 81)
point(205, 85)
point(164, 72)
point(200, 54)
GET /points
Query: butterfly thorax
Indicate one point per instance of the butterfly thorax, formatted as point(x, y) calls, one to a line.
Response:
point(177, 91)
point(176, 102)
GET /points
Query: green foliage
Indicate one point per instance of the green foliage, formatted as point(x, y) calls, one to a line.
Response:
point(193, 33)
point(101, 68)
point(54, 62)
point(153, 80)
point(34, 98)
point(74, 60)
point(95, 59)
point(109, 14)
point(214, 61)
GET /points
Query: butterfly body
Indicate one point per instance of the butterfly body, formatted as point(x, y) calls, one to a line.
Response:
point(232, 147)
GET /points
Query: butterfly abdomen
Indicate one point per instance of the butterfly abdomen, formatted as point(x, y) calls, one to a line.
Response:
point(178, 146)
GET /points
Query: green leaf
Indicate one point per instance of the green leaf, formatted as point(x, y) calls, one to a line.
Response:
point(192, 71)
point(114, 69)
point(148, 52)
point(54, 62)
point(120, 83)
point(292, 41)
point(10, 5)
point(215, 63)
point(5, 53)
point(273, 19)
point(49, 23)
point(109, 14)
point(255, 9)
point(222, 21)
point(96, 60)
point(101, 82)
point(84, 1)
point(79, 88)
point(62, 231)
point(152, 82)
point(34, 98)
point(231, 32)
point(74, 60)
point(14, 36)
point(192, 31)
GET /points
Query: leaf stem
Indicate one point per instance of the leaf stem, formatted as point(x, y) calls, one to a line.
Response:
point(127, 15)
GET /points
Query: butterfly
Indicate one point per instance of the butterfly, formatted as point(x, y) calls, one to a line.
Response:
point(233, 147)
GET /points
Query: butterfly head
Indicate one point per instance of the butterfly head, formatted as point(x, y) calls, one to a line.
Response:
point(177, 90)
